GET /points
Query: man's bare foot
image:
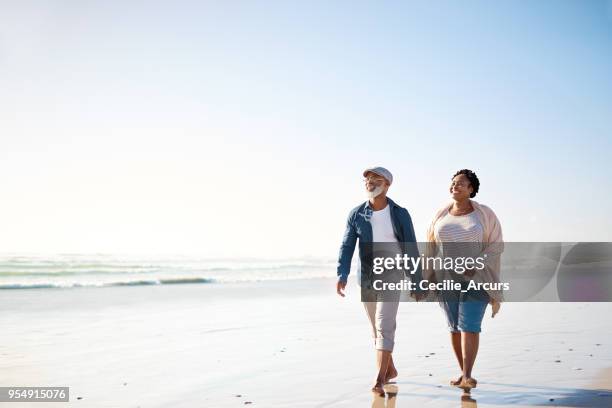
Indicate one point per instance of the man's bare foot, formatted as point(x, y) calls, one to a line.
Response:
point(391, 374)
point(468, 383)
point(378, 389)
point(456, 382)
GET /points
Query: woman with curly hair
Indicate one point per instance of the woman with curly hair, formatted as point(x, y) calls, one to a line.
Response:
point(466, 227)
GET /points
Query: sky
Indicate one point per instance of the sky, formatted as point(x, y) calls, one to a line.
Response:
point(240, 129)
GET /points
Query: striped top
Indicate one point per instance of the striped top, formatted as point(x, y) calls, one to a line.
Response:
point(460, 228)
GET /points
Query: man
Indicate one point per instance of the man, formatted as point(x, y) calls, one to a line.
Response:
point(378, 220)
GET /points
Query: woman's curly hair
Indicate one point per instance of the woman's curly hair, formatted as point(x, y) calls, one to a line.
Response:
point(473, 180)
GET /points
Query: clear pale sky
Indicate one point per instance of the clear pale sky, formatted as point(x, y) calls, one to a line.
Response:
point(242, 128)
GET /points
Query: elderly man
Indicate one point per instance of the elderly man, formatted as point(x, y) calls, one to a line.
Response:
point(378, 220)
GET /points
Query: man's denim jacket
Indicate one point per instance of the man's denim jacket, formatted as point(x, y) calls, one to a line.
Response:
point(358, 226)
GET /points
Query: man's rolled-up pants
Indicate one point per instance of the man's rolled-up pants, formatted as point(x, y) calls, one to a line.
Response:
point(383, 317)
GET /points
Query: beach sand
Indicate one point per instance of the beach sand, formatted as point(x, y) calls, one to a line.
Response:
point(289, 344)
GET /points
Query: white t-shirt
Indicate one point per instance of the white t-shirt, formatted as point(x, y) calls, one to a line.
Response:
point(382, 231)
point(382, 227)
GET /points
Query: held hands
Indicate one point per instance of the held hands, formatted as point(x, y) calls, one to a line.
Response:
point(418, 296)
point(340, 288)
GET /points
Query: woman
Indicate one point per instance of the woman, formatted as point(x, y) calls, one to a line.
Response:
point(466, 227)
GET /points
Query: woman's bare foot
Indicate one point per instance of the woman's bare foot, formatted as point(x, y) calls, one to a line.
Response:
point(456, 382)
point(391, 374)
point(378, 389)
point(468, 383)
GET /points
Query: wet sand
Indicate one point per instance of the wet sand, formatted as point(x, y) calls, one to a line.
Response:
point(289, 344)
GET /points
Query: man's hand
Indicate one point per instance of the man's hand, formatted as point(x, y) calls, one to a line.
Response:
point(340, 287)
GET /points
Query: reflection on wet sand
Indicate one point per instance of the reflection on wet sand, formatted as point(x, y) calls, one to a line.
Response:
point(387, 401)
point(504, 394)
point(467, 401)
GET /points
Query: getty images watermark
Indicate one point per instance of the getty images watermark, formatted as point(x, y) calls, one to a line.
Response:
point(410, 265)
point(512, 271)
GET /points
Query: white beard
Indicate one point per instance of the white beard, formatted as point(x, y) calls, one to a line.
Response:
point(376, 192)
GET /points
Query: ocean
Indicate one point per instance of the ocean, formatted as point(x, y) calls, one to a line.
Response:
point(101, 270)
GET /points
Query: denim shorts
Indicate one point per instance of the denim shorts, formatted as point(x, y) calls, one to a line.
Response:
point(464, 310)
